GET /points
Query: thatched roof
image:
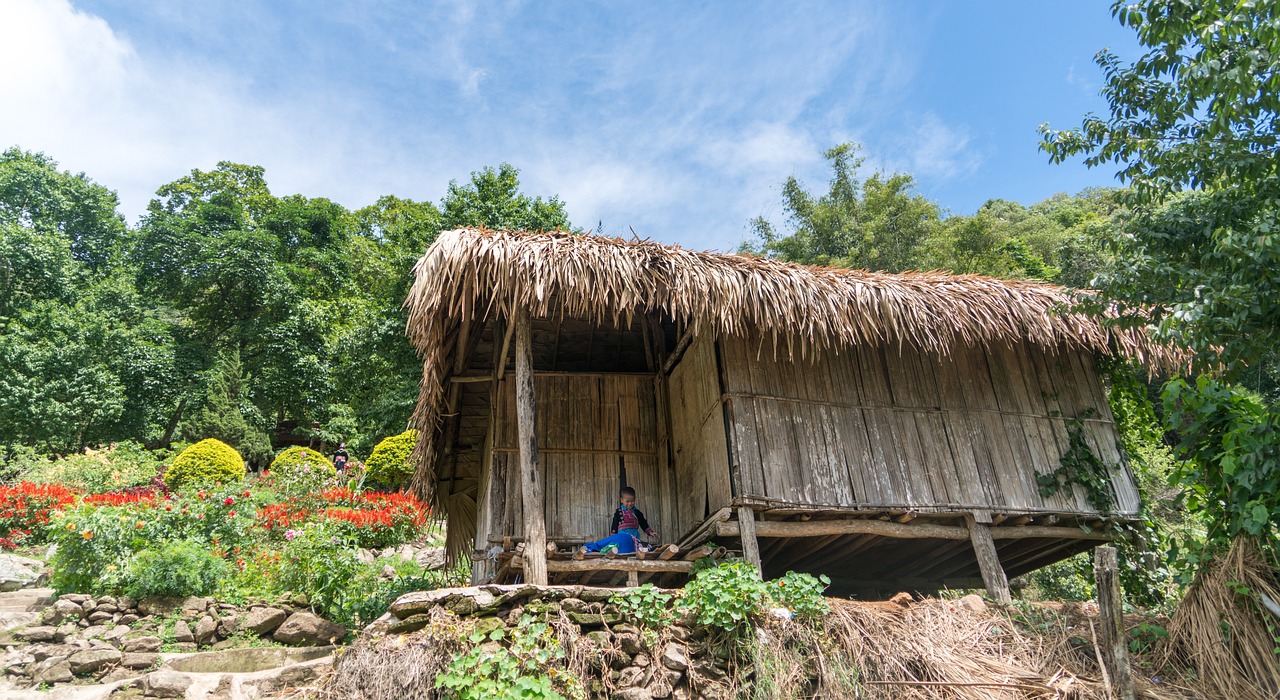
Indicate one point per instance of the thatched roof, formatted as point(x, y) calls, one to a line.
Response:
point(470, 275)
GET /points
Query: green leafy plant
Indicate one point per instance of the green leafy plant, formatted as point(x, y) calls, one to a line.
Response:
point(801, 593)
point(388, 465)
point(1079, 464)
point(300, 471)
point(646, 604)
point(112, 468)
point(726, 596)
point(205, 463)
point(321, 565)
point(511, 666)
point(94, 545)
point(176, 569)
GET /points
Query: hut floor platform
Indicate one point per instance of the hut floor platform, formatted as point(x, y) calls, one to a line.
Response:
point(666, 565)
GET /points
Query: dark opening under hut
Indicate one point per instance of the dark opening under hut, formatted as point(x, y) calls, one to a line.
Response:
point(884, 429)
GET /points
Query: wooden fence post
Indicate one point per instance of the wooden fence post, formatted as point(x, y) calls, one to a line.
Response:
point(535, 526)
point(747, 532)
point(1115, 650)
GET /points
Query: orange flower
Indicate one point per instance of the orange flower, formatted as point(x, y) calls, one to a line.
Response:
point(87, 534)
point(139, 526)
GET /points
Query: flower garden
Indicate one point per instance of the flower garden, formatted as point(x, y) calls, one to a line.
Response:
point(124, 521)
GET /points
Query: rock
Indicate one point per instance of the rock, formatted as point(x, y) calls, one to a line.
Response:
point(99, 616)
point(77, 598)
point(632, 694)
point(139, 660)
point(39, 633)
point(631, 676)
point(165, 684)
point(108, 607)
point(388, 571)
point(89, 606)
point(144, 645)
point(406, 552)
point(675, 657)
point(184, 647)
point(116, 633)
point(63, 610)
point(630, 643)
point(159, 605)
point(67, 630)
point(364, 556)
point(973, 603)
point(228, 626)
point(18, 572)
point(52, 670)
point(195, 603)
point(128, 619)
point(106, 600)
point(205, 629)
point(431, 558)
point(182, 632)
point(94, 631)
point(61, 651)
point(92, 660)
point(124, 602)
point(265, 620)
point(308, 629)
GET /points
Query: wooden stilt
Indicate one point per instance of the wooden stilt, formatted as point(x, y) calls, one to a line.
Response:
point(633, 579)
point(535, 527)
point(747, 532)
point(1115, 653)
point(988, 561)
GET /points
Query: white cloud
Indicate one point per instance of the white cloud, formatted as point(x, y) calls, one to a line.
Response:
point(939, 150)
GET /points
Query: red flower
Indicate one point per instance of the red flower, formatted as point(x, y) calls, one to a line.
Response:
point(231, 514)
point(229, 501)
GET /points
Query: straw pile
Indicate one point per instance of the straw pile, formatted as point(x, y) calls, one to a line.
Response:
point(469, 276)
point(1225, 629)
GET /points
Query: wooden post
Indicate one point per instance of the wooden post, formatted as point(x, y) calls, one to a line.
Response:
point(988, 561)
point(747, 531)
point(535, 527)
point(1115, 653)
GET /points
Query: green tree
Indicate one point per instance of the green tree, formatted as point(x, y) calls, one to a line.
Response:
point(1192, 126)
point(880, 223)
point(493, 200)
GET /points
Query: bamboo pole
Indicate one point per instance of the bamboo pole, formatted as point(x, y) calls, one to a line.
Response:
point(535, 527)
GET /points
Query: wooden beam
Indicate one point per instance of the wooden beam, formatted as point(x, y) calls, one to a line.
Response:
point(823, 528)
point(1115, 653)
point(627, 564)
point(535, 526)
point(667, 552)
point(747, 529)
point(989, 562)
point(678, 352)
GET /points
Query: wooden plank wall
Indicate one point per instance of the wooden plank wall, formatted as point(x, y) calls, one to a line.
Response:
point(880, 426)
point(700, 455)
point(591, 428)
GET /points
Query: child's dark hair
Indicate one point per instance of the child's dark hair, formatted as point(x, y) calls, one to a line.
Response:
point(626, 491)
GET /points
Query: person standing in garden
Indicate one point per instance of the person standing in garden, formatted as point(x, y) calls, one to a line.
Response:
point(340, 457)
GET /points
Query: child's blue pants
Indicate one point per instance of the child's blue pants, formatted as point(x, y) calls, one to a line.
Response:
point(625, 541)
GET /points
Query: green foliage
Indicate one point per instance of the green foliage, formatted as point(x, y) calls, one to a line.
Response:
point(93, 546)
point(510, 666)
point(493, 200)
point(646, 604)
point(388, 465)
point(801, 594)
point(726, 596)
point(205, 463)
point(177, 569)
point(298, 471)
point(1080, 465)
point(1230, 441)
point(321, 565)
point(96, 471)
point(1069, 579)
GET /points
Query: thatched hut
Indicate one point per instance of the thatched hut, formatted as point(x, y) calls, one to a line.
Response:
point(885, 429)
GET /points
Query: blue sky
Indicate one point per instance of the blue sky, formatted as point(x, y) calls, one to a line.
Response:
point(678, 120)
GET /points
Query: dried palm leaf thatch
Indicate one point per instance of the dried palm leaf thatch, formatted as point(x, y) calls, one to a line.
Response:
point(932, 649)
point(1225, 629)
point(467, 276)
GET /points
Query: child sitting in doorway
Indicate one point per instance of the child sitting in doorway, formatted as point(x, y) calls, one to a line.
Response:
point(628, 522)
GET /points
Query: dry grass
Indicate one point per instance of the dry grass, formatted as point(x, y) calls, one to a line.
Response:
point(1222, 631)
point(469, 276)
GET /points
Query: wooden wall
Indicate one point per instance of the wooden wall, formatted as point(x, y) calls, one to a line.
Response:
point(884, 427)
point(593, 430)
point(700, 453)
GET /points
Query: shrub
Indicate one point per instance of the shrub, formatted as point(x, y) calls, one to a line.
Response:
point(176, 569)
point(726, 596)
point(119, 466)
point(206, 462)
point(389, 464)
point(801, 594)
point(94, 546)
point(318, 564)
point(299, 471)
